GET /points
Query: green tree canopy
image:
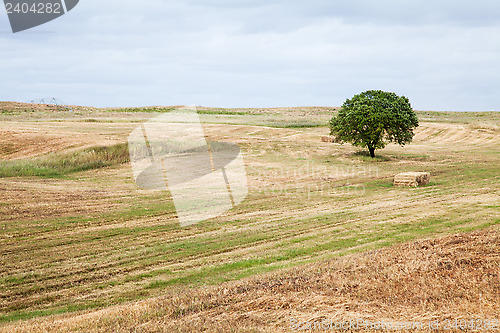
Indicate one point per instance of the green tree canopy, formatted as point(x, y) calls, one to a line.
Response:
point(374, 118)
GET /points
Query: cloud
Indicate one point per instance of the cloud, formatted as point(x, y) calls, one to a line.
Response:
point(258, 53)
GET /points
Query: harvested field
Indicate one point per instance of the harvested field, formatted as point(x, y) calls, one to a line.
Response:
point(421, 282)
point(84, 239)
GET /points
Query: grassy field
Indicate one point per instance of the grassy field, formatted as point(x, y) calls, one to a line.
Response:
point(450, 283)
point(76, 233)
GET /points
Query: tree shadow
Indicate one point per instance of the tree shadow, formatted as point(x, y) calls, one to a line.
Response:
point(365, 156)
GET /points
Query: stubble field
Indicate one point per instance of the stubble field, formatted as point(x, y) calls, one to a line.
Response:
point(77, 234)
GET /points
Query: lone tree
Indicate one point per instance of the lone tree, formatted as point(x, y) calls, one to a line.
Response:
point(374, 118)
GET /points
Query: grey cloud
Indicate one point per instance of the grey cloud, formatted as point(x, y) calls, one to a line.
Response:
point(442, 55)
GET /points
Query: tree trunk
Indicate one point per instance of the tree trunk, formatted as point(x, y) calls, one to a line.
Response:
point(372, 152)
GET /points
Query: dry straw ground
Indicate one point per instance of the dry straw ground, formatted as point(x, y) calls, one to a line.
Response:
point(451, 278)
point(76, 235)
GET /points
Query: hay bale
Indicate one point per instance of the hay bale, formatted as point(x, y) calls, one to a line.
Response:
point(412, 179)
point(331, 139)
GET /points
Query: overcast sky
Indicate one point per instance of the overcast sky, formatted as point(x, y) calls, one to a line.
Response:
point(442, 54)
